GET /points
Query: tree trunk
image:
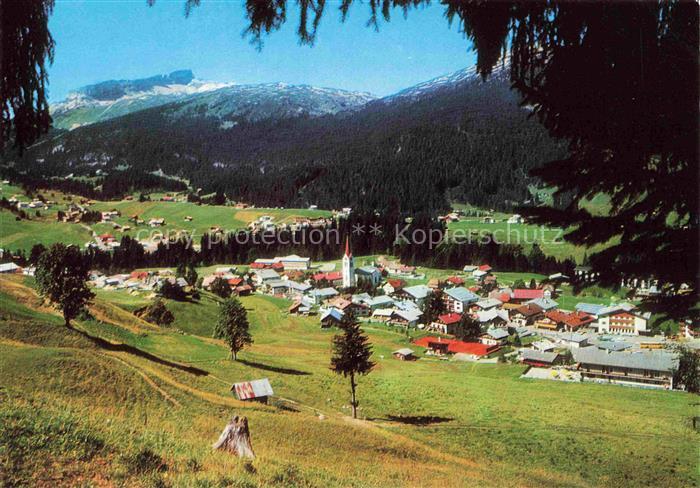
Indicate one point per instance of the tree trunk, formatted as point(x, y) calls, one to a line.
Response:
point(67, 321)
point(236, 438)
point(354, 400)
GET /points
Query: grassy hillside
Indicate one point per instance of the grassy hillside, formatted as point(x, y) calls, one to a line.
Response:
point(121, 401)
point(43, 228)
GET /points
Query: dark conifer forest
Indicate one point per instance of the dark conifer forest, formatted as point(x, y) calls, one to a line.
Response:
point(468, 143)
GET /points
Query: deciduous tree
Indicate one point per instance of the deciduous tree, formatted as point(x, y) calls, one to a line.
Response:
point(61, 277)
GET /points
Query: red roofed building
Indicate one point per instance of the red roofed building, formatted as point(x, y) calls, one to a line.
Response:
point(485, 267)
point(235, 281)
point(394, 285)
point(257, 266)
point(525, 294)
point(334, 277)
point(277, 266)
point(447, 323)
point(139, 275)
point(440, 346)
point(569, 321)
point(455, 280)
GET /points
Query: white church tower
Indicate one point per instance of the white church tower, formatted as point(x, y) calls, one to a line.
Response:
point(348, 266)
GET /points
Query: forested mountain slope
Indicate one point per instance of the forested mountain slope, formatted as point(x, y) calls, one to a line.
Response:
point(454, 138)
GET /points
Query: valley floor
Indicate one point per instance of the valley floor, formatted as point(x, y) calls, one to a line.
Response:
point(120, 401)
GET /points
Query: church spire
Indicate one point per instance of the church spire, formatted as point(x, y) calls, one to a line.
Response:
point(348, 253)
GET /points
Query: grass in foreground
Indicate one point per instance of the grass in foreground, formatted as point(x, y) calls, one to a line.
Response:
point(164, 400)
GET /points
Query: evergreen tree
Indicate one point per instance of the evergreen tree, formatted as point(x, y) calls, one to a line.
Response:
point(61, 277)
point(233, 326)
point(468, 328)
point(351, 354)
point(434, 306)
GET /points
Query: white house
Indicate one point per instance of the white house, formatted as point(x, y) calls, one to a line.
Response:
point(458, 299)
point(622, 319)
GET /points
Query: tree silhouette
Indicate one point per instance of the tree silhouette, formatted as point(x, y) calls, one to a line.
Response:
point(351, 354)
point(61, 277)
point(25, 44)
point(233, 326)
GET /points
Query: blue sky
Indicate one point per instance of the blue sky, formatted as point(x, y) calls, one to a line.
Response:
point(98, 40)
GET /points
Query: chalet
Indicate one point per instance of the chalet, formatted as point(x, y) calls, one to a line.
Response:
point(381, 301)
point(277, 287)
point(368, 274)
point(622, 319)
point(458, 300)
point(494, 337)
point(526, 314)
point(406, 318)
point(522, 295)
point(393, 285)
point(207, 281)
point(331, 317)
point(435, 284)
point(543, 345)
point(447, 323)
point(523, 332)
point(334, 278)
point(339, 303)
point(568, 321)
point(303, 306)
point(382, 314)
point(440, 346)
point(455, 281)
point(294, 262)
point(651, 369)
point(404, 354)
point(156, 222)
point(256, 390)
point(469, 268)
point(298, 289)
point(545, 303)
point(539, 359)
point(243, 290)
point(418, 294)
point(573, 340)
point(322, 294)
point(492, 318)
point(266, 275)
point(486, 304)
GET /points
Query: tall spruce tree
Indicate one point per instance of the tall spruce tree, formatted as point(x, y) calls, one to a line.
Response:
point(351, 354)
point(233, 326)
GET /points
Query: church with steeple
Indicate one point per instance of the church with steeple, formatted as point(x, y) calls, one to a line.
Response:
point(348, 266)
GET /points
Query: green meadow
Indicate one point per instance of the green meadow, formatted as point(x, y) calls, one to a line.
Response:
point(118, 401)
